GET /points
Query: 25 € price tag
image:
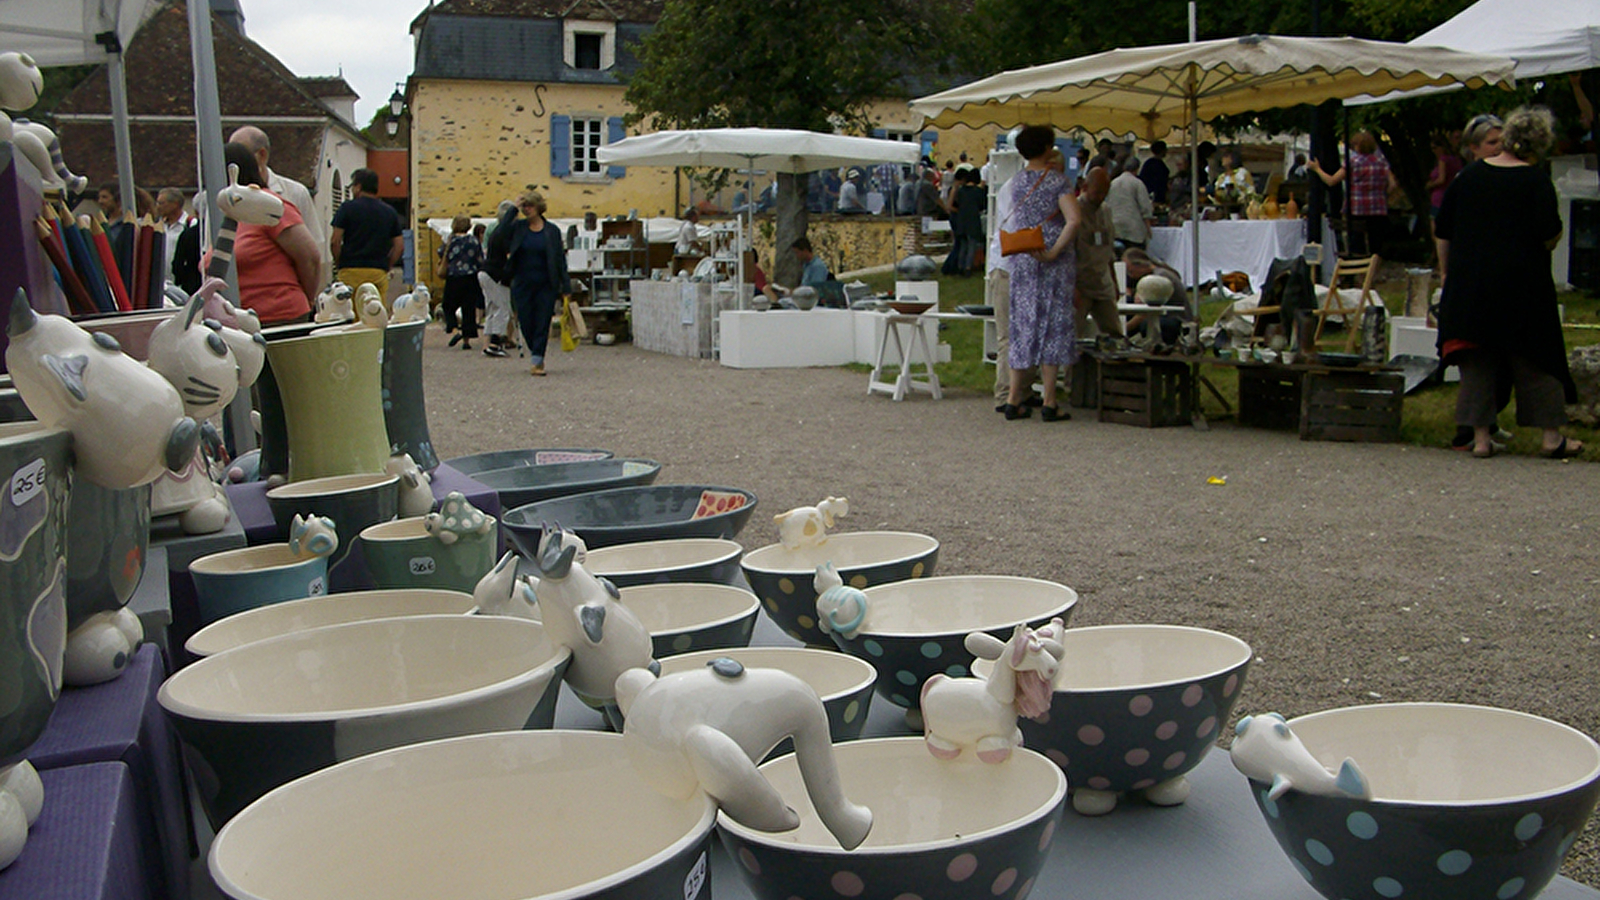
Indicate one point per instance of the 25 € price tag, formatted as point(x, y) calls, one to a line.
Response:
point(27, 482)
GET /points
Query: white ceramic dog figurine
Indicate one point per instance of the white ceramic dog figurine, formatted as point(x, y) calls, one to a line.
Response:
point(980, 714)
point(807, 526)
point(127, 423)
point(416, 497)
point(499, 592)
point(583, 612)
point(707, 728)
point(335, 304)
point(841, 608)
point(1267, 750)
point(457, 519)
point(312, 536)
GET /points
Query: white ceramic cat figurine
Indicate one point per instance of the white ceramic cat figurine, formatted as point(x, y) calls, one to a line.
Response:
point(500, 593)
point(248, 203)
point(335, 304)
point(42, 148)
point(416, 497)
point(312, 536)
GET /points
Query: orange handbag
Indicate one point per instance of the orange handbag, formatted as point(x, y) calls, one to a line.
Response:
point(1023, 240)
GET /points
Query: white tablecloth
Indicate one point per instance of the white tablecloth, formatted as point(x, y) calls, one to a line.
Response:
point(1230, 245)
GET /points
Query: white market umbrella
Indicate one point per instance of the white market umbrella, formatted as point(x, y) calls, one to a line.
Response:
point(773, 149)
point(1151, 90)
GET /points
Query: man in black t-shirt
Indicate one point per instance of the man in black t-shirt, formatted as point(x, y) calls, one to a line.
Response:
point(366, 238)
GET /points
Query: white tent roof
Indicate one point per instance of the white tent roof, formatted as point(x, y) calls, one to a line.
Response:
point(1543, 37)
point(62, 32)
point(772, 149)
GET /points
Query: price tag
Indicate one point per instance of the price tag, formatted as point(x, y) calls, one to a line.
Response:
point(27, 482)
point(696, 879)
point(317, 587)
point(422, 565)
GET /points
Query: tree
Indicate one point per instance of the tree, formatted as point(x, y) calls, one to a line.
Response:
point(816, 65)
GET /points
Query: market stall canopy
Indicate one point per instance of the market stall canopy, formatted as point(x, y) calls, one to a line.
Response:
point(1543, 37)
point(1151, 90)
point(66, 33)
point(772, 149)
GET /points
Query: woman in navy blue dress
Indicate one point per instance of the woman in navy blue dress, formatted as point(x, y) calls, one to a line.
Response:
point(537, 260)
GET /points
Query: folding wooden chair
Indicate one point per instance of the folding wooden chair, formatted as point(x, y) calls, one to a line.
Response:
point(1361, 271)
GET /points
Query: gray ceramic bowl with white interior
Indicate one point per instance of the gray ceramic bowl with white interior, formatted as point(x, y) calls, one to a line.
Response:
point(713, 560)
point(686, 617)
point(532, 815)
point(329, 609)
point(843, 682)
point(263, 714)
point(783, 578)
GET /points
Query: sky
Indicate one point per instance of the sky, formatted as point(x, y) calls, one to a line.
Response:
point(365, 39)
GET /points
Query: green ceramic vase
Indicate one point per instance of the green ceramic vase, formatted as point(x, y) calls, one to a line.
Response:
point(331, 387)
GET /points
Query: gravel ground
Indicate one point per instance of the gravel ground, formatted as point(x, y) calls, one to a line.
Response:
point(1360, 573)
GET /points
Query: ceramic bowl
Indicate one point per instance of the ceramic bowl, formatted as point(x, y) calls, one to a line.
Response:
point(380, 826)
point(352, 501)
point(635, 514)
point(530, 484)
point(236, 580)
point(704, 560)
point(843, 682)
point(1468, 801)
point(515, 459)
point(911, 307)
point(685, 617)
point(783, 578)
point(329, 609)
point(402, 554)
point(918, 628)
point(1135, 707)
point(939, 829)
point(260, 715)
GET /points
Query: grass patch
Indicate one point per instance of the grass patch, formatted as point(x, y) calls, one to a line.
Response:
point(1427, 418)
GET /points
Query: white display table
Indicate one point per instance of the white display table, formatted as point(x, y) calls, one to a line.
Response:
point(791, 338)
point(1230, 245)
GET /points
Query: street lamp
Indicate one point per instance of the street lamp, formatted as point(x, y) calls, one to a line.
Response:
point(391, 125)
point(397, 102)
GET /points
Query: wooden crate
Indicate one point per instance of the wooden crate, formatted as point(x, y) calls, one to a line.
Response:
point(1269, 397)
point(1084, 391)
point(1147, 393)
point(1351, 406)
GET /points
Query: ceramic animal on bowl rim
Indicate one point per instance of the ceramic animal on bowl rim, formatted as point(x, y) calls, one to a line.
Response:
point(416, 496)
point(1266, 749)
point(980, 714)
point(336, 304)
point(499, 593)
point(457, 519)
point(708, 728)
point(840, 607)
point(807, 526)
point(581, 612)
point(127, 422)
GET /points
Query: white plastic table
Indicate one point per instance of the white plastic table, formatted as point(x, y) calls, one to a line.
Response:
point(905, 382)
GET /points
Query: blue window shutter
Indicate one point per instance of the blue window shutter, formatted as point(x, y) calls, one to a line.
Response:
point(929, 138)
point(880, 133)
point(560, 146)
point(615, 133)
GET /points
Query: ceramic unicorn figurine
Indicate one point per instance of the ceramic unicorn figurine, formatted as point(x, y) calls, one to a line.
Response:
point(840, 608)
point(583, 612)
point(334, 304)
point(457, 519)
point(707, 728)
point(980, 714)
point(499, 592)
point(807, 526)
point(312, 536)
point(127, 423)
point(1265, 749)
point(416, 498)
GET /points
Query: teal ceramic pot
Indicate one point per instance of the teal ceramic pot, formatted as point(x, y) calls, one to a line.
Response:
point(330, 609)
point(402, 554)
point(685, 617)
point(843, 682)
point(405, 414)
point(699, 560)
point(940, 830)
point(381, 824)
point(352, 501)
point(236, 580)
point(476, 463)
point(530, 484)
point(918, 628)
point(108, 533)
point(36, 476)
point(1468, 801)
point(263, 714)
point(783, 578)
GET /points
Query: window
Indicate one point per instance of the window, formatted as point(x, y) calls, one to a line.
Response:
point(587, 136)
point(586, 51)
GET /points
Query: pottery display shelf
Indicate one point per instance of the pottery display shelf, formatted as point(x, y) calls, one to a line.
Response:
point(181, 549)
point(87, 844)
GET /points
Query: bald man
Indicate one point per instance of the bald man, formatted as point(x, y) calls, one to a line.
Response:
point(289, 189)
point(1097, 283)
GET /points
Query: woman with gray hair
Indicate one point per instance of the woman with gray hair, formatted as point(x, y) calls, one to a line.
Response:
point(1497, 225)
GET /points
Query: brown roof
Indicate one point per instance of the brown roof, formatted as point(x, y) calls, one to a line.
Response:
point(595, 10)
point(164, 152)
point(322, 86)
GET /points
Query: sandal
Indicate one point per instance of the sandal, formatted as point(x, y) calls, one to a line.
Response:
point(1485, 453)
point(1013, 412)
point(1054, 414)
point(1564, 450)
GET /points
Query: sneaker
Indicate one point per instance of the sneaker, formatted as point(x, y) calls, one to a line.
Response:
point(537, 370)
point(493, 350)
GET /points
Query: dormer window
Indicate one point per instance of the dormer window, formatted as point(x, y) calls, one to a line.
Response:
point(590, 45)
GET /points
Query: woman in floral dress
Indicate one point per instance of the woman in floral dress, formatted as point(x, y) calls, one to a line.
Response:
point(1042, 282)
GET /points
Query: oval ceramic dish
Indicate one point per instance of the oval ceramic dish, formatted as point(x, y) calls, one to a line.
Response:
point(843, 682)
point(530, 484)
point(686, 617)
point(330, 609)
point(513, 459)
point(634, 514)
point(940, 830)
point(385, 825)
point(260, 715)
point(1468, 801)
point(706, 560)
point(783, 578)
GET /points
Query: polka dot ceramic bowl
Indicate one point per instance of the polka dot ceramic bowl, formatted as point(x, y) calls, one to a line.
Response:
point(686, 617)
point(940, 830)
point(916, 629)
point(330, 609)
point(1469, 802)
point(782, 578)
point(843, 682)
point(713, 560)
point(1135, 707)
point(472, 818)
